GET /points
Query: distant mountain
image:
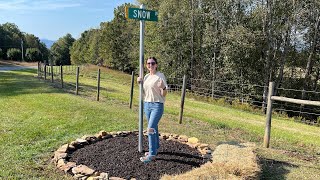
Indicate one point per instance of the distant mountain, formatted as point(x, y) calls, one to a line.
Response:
point(47, 42)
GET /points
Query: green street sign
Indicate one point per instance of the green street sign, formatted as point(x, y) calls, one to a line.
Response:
point(141, 14)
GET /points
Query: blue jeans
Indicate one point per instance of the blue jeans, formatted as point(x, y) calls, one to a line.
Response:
point(153, 111)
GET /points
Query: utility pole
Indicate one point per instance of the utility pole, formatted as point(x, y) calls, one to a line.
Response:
point(22, 50)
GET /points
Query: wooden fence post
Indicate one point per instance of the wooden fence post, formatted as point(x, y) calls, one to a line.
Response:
point(183, 94)
point(61, 75)
point(98, 87)
point(267, 131)
point(45, 72)
point(51, 73)
point(77, 81)
point(131, 92)
point(212, 88)
point(40, 67)
point(38, 71)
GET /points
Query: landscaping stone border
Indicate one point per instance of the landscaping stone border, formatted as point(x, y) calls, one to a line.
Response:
point(83, 172)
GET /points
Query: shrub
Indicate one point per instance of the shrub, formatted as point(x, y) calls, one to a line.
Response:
point(14, 54)
point(33, 54)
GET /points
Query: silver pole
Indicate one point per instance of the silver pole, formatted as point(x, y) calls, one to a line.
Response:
point(141, 84)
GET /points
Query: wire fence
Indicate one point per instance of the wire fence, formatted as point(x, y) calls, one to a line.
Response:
point(65, 77)
point(245, 93)
point(230, 92)
point(86, 82)
point(253, 95)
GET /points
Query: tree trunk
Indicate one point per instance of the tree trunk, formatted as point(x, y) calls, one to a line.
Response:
point(310, 58)
point(192, 40)
point(268, 34)
point(283, 58)
point(316, 80)
point(215, 48)
point(307, 77)
point(274, 58)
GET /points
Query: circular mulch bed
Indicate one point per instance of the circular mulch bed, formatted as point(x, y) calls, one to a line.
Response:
point(118, 156)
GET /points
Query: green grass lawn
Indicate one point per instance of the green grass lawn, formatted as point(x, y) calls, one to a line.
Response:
point(36, 119)
point(37, 116)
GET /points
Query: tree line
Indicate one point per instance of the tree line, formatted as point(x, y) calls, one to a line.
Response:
point(247, 41)
point(17, 45)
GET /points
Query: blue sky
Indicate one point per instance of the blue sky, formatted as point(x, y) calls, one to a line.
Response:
point(52, 19)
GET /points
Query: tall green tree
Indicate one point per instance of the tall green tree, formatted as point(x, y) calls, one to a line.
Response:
point(44, 51)
point(118, 40)
point(60, 50)
point(174, 37)
point(10, 37)
point(31, 41)
point(14, 54)
point(85, 49)
point(312, 24)
point(33, 54)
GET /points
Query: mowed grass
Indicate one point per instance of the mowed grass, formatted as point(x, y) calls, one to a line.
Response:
point(36, 118)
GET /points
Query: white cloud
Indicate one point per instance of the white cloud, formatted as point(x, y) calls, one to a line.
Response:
point(29, 5)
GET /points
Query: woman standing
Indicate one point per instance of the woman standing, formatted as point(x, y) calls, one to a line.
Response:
point(155, 90)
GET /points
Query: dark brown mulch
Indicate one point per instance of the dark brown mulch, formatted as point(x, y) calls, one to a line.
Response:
point(119, 157)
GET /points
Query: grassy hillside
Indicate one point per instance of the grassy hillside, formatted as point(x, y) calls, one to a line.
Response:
point(36, 117)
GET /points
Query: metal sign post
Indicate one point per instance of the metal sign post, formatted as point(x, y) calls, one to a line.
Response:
point(142, 23)
point(143, 15)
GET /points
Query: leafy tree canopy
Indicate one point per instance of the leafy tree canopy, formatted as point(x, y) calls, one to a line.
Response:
point(60, 50)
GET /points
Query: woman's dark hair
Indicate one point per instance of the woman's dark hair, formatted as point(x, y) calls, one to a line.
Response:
point(153, 58)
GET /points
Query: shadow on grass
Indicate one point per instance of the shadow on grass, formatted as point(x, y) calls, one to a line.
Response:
point(13, 83)
point(273, 169)
point(88, 91)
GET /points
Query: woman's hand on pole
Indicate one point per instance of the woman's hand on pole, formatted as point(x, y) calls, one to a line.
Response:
point(139, 80)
